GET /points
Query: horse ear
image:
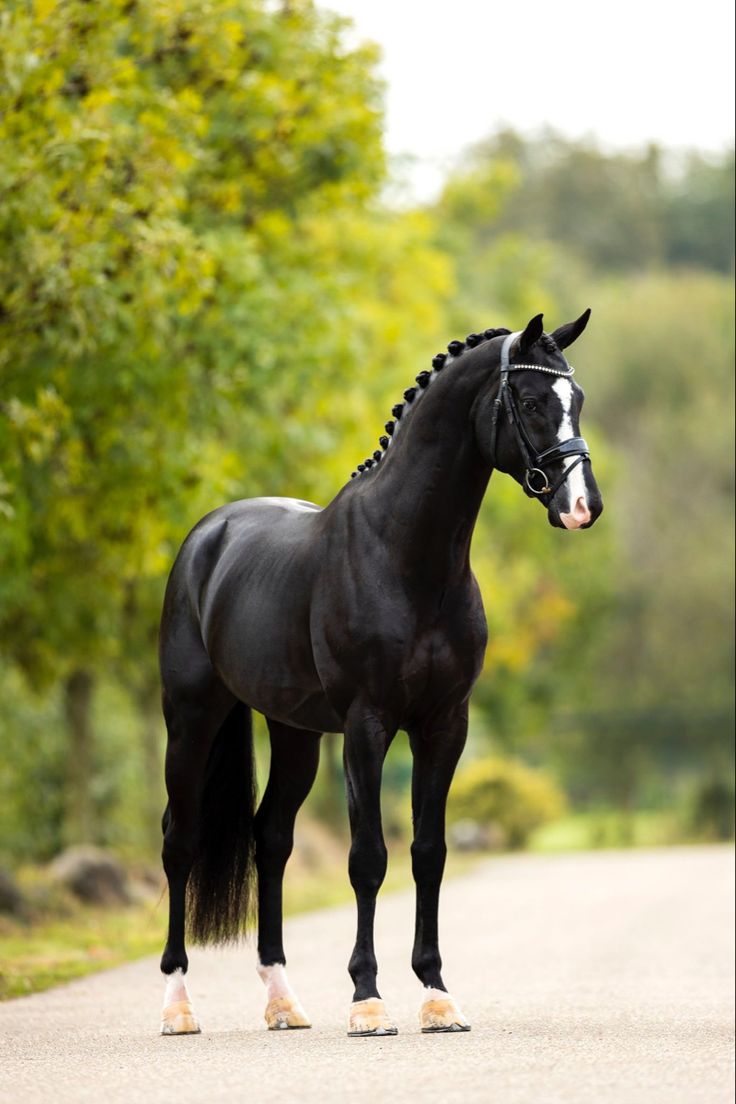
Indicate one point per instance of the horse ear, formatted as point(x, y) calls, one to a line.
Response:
point(531, 334)
point(571, 331)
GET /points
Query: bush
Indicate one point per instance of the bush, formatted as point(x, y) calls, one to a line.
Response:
point(713, 810)
point(507, 797)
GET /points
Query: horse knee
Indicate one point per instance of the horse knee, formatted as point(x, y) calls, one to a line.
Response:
point(428, 859)
point(367, 865)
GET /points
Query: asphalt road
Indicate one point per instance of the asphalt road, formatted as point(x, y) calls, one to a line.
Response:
point(590, 978)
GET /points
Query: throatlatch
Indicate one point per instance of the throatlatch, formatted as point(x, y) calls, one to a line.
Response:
point(534, 461)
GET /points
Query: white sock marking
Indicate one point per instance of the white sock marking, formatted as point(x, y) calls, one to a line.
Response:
point(276, 982)
point(176, 988)
point(435, 994)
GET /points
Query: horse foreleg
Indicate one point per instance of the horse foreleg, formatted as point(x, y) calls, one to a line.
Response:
point(294, 761)
point(436, 752)
point(366, 744)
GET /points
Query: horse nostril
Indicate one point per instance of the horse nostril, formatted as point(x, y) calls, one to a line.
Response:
point(580, 511)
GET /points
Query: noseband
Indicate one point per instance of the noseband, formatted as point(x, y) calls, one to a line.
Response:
point(536, 479)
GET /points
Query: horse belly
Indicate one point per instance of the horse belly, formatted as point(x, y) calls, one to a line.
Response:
point(260, 647)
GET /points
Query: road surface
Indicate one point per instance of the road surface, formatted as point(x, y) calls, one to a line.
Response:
point(592, 978)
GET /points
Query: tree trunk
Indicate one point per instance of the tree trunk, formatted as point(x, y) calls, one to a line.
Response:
point(79, 826)
point(152, 748)
point(329, 799)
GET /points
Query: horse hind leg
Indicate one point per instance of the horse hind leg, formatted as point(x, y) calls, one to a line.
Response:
point(294, 761)
point(197, 722)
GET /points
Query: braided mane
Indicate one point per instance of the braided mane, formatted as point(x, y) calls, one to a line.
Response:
point(455, 349)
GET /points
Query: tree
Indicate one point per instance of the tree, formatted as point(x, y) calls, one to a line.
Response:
point(173, 177)
point(611, 655)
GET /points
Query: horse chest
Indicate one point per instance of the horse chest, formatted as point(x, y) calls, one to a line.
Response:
point(399, 654)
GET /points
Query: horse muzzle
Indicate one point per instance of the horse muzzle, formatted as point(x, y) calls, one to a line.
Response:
point(582, 513)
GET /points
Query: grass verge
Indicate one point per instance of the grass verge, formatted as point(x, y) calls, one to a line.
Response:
point(611, 828)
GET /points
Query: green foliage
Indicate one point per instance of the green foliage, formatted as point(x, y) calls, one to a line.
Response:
point(713, 810)
point(507, 795)
point(611, 652)
point(168, 174)
point(203, 298)
point(698, 217)
point(630, 678)
point(615, 212)
point(192, 260)
point(32, 773)
point(663, 388)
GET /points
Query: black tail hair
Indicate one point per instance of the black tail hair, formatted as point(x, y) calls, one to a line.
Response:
point(221, 892)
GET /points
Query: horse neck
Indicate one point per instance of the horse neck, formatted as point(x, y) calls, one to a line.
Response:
point(425, 496)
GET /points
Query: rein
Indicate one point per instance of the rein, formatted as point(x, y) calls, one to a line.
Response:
point(534, 461)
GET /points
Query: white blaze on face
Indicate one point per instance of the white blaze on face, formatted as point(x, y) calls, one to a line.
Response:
point(577, 500)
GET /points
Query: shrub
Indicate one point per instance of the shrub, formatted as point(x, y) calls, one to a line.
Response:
point(507, 796)
point(713, 810)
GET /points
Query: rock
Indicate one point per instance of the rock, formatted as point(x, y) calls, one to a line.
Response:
point(316, 848)
point(12, 902)
point(91, 874)
point(469, 835)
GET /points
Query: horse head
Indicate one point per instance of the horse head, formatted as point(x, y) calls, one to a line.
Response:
point(527, 424)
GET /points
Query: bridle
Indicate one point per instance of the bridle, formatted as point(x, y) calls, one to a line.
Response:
point(534, 461)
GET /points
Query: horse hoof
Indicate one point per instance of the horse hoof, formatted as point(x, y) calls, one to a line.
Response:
point(283, 1013)
point(179, 1019)
point(369, 1017)
point(441, 1014)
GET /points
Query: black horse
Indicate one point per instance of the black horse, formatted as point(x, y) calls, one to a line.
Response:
point(362, 618)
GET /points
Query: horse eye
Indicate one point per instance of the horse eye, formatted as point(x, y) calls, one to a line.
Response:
point(529, 404)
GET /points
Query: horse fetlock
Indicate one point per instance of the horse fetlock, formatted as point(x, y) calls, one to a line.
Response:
point(174, 962)
point(427, 965)
point(363, 969)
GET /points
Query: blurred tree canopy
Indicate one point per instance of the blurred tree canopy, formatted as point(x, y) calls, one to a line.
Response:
point(615, 212)
point(203, 296)
point(190, 236)
point(636, 664)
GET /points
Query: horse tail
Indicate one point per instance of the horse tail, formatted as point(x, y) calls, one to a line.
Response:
point(221, 892)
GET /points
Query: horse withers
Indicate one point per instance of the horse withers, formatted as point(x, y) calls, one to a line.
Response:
point(362, 618)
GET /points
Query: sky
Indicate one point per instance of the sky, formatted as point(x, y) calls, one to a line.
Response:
point(626, 73)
